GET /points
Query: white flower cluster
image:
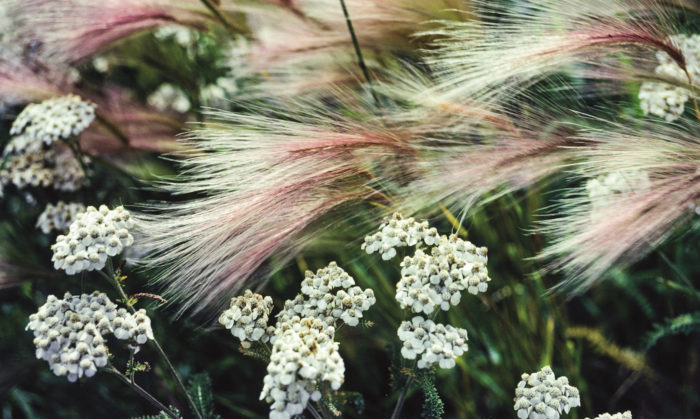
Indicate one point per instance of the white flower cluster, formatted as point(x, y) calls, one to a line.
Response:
point(43, 168)
point(69, 332)
point(541, 395)
point(43, 123)
point(399, 232)
point(329, 295)
point(167, 97)
point(247, 318)
point(435, 342)
point(303, 356)
point(437, 279)
point(183, 35)
point(665, 100)
point(134, 327)
point(429, 280)
point(93, 236)
point(237, 67)
point(602, 189)
point(620, 415)
point(58, 217)
point(304, 353)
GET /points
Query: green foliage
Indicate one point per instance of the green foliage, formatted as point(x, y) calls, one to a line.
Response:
point(133, 366)
point(160, 415)
point(685, 323)
point(258, 351)
point(433, 407)
point(344, 400)
point(200, 389)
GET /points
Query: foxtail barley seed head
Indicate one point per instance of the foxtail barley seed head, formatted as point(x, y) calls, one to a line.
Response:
point(643, 182)
point(71, 30)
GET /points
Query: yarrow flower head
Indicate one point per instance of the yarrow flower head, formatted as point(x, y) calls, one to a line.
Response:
point(620, 415)
point(434, 342)
point(541, 395)
point(58, 217)
point(92, 237)
point(51, 120)
point(330, 295)
point(304, 355)
point(399, 232)
point(665, 100)
point(69, 333)
point(437, 279)
point(43, 168)
point(167, 97)
point(133, 327)
point(248, 317)
point(601, 190)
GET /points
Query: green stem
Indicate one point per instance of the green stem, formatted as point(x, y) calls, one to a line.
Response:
point(154, 342)
point(174, 373)
point(74, 145)
point(313, 411)
point(217, 13)
point(143, 393)
point(358, 52)
point(402, 399)
point(131, 365)
point(111, 127)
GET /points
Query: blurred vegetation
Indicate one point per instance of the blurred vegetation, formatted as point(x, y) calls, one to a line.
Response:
point(631, 342)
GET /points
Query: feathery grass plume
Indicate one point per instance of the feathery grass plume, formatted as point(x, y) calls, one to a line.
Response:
point(70, 30)
point(468, 149)
point(302, 47)
point(251, 190)
point(630, 359)
point(658, 187)
point(260, 183)
point(12, 275)
point(508, 49)
point(23, 79)
point(128, 125)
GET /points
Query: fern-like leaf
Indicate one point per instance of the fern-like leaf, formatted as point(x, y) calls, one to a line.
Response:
point(200, 390)
point(160, 415)
point(347, 399)
point(433, 407)
point(685, 323)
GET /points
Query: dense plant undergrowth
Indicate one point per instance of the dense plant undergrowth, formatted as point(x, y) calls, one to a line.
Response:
point(355, 208)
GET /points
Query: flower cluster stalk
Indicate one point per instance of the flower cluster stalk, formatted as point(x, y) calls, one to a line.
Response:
point(143, 393)
point(112, 277)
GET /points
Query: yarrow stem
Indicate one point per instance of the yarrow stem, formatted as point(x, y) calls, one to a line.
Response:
point(313, 411)
point(143, 393)
point(402, 399)
point(115, 281)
